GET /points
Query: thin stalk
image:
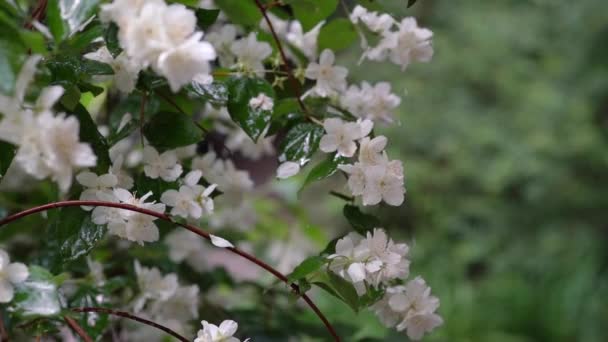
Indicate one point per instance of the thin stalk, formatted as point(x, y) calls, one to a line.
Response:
point(77, 329)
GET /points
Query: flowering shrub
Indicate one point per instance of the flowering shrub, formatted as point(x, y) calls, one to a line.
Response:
point(129, 118)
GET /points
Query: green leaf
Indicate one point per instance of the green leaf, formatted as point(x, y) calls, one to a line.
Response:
point(324, 169)
point(300, 142)
point(337, 35)
point(7, 152)
point(84, 296)
point(111, 38)
point(307, 267)
point(240, 91)
point(241, 12)
point(167, 130)
point(215, 93)
point(411, 3)
point(59, 28)
point(73, 234)
point(206, 17)
point(81, 41)
point(37, 296)
point(360, 221)
point(90, 134)
point(143, 185)
point(345, 289)
point(311, 12)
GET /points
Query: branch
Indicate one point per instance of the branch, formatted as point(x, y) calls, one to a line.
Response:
point(131, 317)
point(38, 14)
point(189, 227)
point(77, 328)
point(292, 79)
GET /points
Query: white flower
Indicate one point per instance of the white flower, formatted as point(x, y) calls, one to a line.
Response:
point(374, 21)
point(10, 274)
point(261, 102)
point(251, 53)
point(413, 44)
point(153, 285)
point(192, 200)
point(356, 178)
point(181, 306)
point(330, 79)
point(384, 183)
point(288, 169)
point(213, 333)
point(280, 26)
point(125, 69)
point(95, 184)
point(191, 58)
point(220, 242)
point(183, 245)
point(238, 140)
point(305, 42)
point(164, 165)
point(371, 151)
point(124, 179)
point(341, 136)
point(222, 40)
point(409, 307)
point(371, 102)
point(127, 224)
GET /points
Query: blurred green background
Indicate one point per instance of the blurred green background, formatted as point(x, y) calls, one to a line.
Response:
point(504, 136)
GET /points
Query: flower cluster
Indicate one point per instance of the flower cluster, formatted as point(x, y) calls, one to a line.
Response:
point(191, 200)
point(163, 37)
point(213, 333)
point(49, 143)
point(373, 260)
point(410, 307)
point(371, 102)
point(400, 42)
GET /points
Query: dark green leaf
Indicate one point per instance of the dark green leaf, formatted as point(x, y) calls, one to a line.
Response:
point(300, 142)
point(167, 130)
point(338, 34)
point(88, 295)
point(82, 40)
point(59, 28)
point(111, 38)
point(360, 221)
point(307, 266)
point(324, 169)
point(91, 67)
point(90, 134)
point(411, 3)
point(206, 17)
point(345, 289)
point(143, 185)
point(240, 12)
point(215, 93)
point(73, 234)
point(311, 12)
point(240, 91)
point(7, 152)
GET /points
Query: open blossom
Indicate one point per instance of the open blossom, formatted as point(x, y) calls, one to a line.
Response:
point(341, 136)
point(94, 185)
point(370, 261)
point(306, 42)
point(410, 308)
point(413, 44)
point(191, 200)
point(127, 224)
point(125, 69)
point(330, 79)
point(153, 285)
point(251, 53)
point(10, 274)
point(371, 102)
point(212, 333)
point(164, 37)
point(183, 245)
point(162, 165)
point(222, 40)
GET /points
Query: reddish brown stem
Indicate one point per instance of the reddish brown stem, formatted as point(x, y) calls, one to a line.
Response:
point(275, 36)
point(132, 317)
point(38, 14)
point(191, 228)
point(77, 329)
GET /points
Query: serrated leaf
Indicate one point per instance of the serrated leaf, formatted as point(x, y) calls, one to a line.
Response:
point(215, 93)
point(324, 169)
point(90, 134)
point(206, 17)
point(300, 142)
point(167, 130)
point(241, 90)
point(306, 267)
point(337, 35)
point(361, 222)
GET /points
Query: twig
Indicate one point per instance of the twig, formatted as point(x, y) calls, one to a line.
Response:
point(3, 333)
point(189, 227)
point(131, 317)
point(290, 76)
point(37, 14)
point(77, 329)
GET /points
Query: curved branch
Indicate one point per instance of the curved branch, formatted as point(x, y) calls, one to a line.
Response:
point(275, 36)
point(189, 227)
point(131, 317)
point(77, 328)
